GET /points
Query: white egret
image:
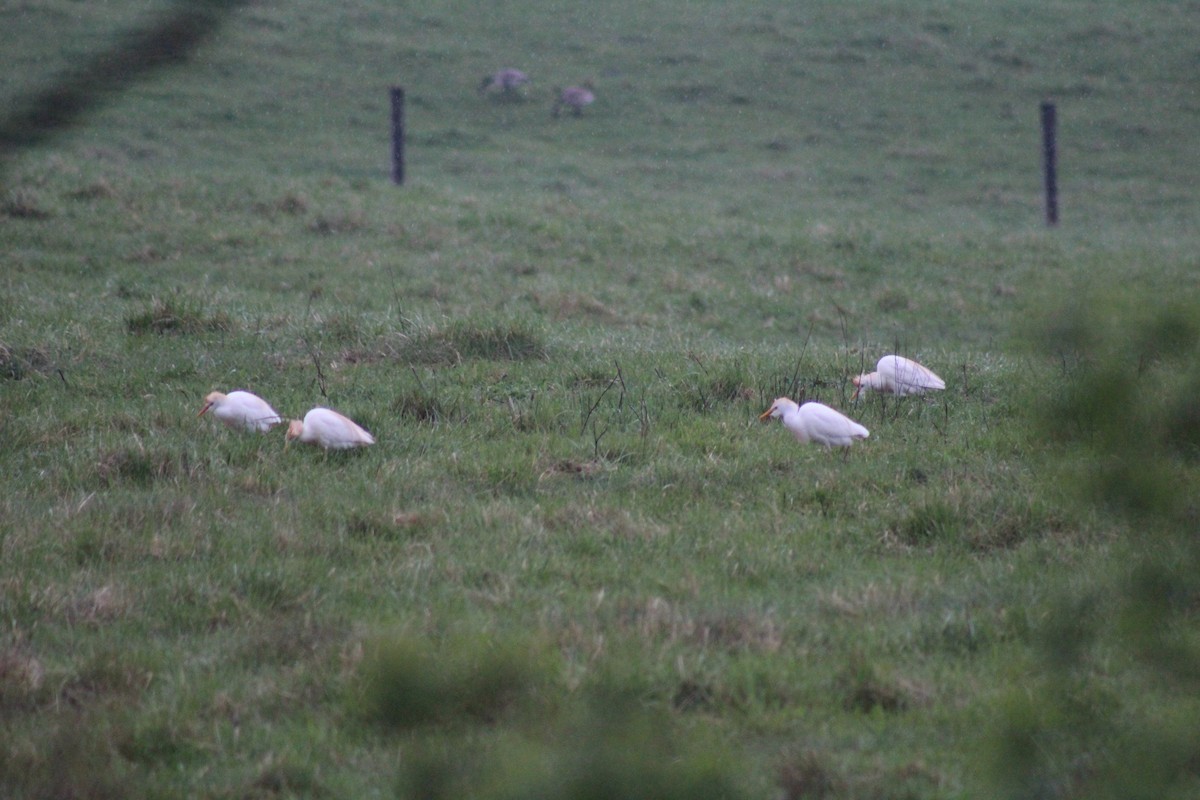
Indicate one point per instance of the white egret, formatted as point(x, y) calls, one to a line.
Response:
point(816, 422)
point(329, 429)
point(898, 375)
point(241, 410)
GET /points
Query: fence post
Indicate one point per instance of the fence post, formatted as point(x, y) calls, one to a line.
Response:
point(397, 93)
point(1050, 161)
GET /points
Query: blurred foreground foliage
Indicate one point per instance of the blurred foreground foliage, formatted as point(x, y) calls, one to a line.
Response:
point(600, 742)
point(1124, 423)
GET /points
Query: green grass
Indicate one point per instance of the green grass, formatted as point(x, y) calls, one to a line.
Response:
point(574, 558)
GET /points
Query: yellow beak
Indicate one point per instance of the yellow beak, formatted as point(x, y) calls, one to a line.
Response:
point(766, 415)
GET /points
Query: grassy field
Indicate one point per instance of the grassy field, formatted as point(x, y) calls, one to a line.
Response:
point(575, 564)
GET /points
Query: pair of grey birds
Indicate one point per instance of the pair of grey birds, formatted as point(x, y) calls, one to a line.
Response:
point(509, 81)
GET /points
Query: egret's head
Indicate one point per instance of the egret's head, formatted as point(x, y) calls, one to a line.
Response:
point(211, 400)
point(295, 428)
point(776, 410)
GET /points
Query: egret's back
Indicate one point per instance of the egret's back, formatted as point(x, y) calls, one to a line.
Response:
point(829, 427)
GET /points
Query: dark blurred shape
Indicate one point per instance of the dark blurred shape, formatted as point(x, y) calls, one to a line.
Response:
point(161, 43)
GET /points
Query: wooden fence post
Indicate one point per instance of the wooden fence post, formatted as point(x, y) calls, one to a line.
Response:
point(1050, 161)
point(397, 135)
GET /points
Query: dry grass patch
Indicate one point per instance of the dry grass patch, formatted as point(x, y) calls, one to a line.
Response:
point(141, 467)
point(22, 678)
point(100, 189)
point(870, 600)
point(420, 405)
point(619, 523)
point(574, 305)
point(292, 204)
point(807, 776)
point(728, 631)
point(571, 468)
point(462, 340)
point(24, 204)
point(72, 755)
point(329, 224)
point(863, 688)
point(977, 517)
point(19, 363)
point(100, 606)
point(177, 315)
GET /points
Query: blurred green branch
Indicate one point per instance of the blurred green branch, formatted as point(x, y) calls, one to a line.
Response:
point(1124, 429)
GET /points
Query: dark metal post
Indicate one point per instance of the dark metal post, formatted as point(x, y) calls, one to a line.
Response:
point(397, 135)
point(1050, 161)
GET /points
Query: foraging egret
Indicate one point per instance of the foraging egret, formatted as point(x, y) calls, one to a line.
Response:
point(575, 98)
point(898, 375)
point(816, 422)
point(243, 410)
point(329, 429)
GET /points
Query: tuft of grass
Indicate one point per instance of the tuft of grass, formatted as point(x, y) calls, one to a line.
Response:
point(177, 314)
point(73, 755)
point(22, 679)
point(617, 749)
point(419, 405)
point(409, 683)
point(19, 363)
point(461, 340)
point(330, 224)
point(864, 690)
point(807, 776)
point(24, 204)
point(100, 189)
point(141, 467)
point(928, 524)
point(285, 778)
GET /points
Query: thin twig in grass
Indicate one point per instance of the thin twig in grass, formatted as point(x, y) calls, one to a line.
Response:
point(897, 348)
point(841, 312)
point(596, 437)
point(595, 405)
point(945, 415)
point(862, 369)
point(312, 351)
point(417, 375)
point(794, 385)
point(624, 391)
point(700, 389)
point(391, 273)
point(316, 359)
